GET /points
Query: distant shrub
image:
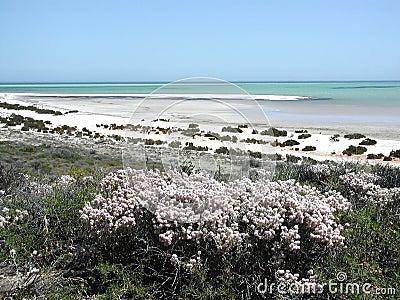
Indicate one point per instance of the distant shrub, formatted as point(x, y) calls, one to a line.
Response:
point(395, 153)
point(368, 142)
point(253, 141)
point(334, 138)
point(190, 146)
point(256, 154)
point(274, 132)
point(309, 148)
point(292, 158)
point(304, 136)
point(354, 150)
point(254, 131)
point(193, 125)
point(387, 158)
point(290, 143)
point(222, 150)
point(232, 129)
point(226, 138)
point(243, 126)
point(301, 131)
point(354, 136)
point(375, 156)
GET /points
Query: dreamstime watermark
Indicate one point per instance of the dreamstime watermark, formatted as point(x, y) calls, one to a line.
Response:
point(198, 125)
point(339, 285)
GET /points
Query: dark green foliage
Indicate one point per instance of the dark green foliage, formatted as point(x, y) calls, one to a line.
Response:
point(232, 129)
point(222, 150)
point(301, 131)
point(368, 142)
point(309, 148)
point(334, 138)
point(289, 143)
point(375, 156)
point(253, 141)
point(357, 150)
point(30, 107)
point(292, 158)
point(354, 136)
point(395, 153)
point(304, 136)
point(256, 154)
point(190, 146)
point(274, 132)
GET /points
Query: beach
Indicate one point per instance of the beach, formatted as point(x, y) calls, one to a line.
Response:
point(211, 113)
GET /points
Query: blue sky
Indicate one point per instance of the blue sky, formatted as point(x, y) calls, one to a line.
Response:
point(122, 40)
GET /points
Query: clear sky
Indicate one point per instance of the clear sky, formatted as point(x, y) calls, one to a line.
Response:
point(131, 40)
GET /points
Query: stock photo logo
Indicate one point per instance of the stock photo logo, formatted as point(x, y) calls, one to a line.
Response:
point(196, 127)
point(290, 284)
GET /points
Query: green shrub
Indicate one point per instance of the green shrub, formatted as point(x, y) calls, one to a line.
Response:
point(274, 132)
point(368, 142)
point(354, 150)
point(375, 156)
point(334, 138)
point(222, 150)
point(232, 129)
point(292, 158)
point(309, 148)
point(289, 143)
point(304, 136)
point(354, 136)
point(395, 153)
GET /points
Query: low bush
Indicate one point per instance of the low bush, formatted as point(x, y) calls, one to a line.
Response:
point(367, 142)
point(395, 153)
point(274, 132)
point(232, 129)
point(375, 156)
point(304, 136)
point(289, 143)
point(301, 131)
point(354, 136)
point(357, 150)
point(309, 148)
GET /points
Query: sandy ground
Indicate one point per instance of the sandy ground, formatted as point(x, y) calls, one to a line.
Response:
point(212, 113)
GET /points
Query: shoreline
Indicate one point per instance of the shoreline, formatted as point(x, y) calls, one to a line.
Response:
point(91, 115)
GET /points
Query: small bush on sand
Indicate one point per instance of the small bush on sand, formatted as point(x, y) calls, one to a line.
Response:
point(304, 136)
point(357, 150)
point(354, 136)
point(375, 156)
point(289, 143)
point(309, 148)
point(367, 142)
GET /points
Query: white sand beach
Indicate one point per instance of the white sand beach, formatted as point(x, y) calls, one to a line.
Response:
point(211, 112)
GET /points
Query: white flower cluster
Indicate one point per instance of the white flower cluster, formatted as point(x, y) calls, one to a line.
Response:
point(363, 183)
point(40, 189)
point(188, 265)
point(322, 169)
point(65, 181)
point(197, 208)
point(11, 216)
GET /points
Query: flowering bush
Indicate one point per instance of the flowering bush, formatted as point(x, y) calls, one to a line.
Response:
point(198, 207)
point(363, 185)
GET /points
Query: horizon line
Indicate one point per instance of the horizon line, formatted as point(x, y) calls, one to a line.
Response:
point(163, 82)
